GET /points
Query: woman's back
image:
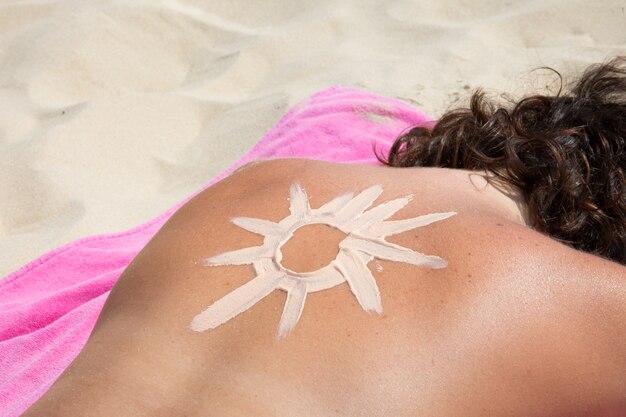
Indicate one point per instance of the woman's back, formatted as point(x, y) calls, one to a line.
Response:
point(516, 324)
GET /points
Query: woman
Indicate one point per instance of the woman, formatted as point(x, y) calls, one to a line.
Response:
point(498, 289)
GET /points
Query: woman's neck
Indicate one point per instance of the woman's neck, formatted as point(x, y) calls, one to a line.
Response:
point(505, 197)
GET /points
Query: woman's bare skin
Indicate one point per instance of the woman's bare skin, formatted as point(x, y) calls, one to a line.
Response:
point(516, 325)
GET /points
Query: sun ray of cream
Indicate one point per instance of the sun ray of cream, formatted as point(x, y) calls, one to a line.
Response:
point(365, 241)
point(258, 226)
point(240, 256)
point(394, 227)
point(293, 308)
point(379, 213)
point(298, 202)
point(360, 279)
point(392, 252)
point(235, 302)
point(358, 204)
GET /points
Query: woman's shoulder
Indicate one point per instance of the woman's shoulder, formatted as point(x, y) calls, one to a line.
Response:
point(466, 293)
point(480, 219)
point(480, 235)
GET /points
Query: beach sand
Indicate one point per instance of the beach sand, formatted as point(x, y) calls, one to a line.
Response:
point(111, 112)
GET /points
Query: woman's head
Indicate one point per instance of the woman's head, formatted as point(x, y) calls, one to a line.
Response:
point(566, 153)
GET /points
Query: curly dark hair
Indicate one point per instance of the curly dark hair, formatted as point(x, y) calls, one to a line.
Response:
point(566, 153)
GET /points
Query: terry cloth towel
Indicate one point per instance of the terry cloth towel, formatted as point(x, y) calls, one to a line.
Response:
point(49, 306)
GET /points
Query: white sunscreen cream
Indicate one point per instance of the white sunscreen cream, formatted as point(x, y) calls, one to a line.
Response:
point(365, 241)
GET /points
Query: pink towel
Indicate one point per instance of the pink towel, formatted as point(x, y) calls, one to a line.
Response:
point(49, 306)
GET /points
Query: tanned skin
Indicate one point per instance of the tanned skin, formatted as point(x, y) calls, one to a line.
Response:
point(518, 324)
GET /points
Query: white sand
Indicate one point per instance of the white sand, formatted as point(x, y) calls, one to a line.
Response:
point(113, 111)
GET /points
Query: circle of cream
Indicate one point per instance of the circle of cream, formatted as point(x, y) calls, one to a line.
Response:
point(278, 254)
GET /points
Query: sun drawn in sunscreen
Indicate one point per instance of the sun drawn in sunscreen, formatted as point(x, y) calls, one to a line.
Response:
point(365, 232)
